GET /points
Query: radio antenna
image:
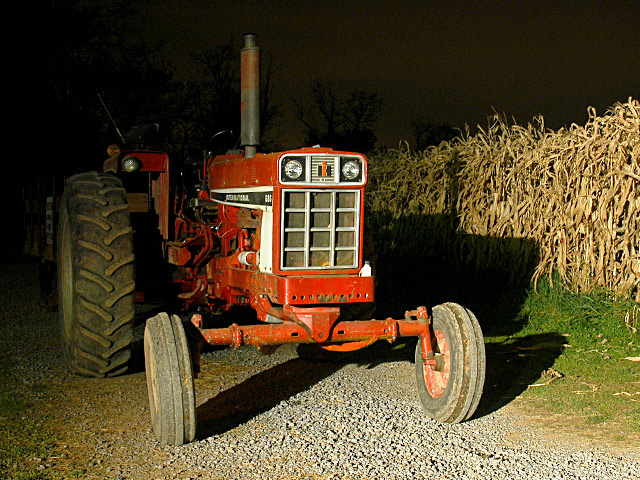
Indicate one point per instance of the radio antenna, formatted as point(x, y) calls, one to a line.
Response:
point(111, 118)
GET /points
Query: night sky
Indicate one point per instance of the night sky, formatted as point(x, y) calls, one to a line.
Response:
point(451, 62)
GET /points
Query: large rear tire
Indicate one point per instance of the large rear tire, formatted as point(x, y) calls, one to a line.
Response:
point(95, 276)
point(452, 392)
point(169, 380)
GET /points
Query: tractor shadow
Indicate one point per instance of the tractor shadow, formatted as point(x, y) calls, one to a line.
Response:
point(511, 367)
point(516, 364)
point(263, 391)
point(513, 362)
point(260, 393)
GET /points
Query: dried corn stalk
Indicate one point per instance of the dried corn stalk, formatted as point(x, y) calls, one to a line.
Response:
point(511, 197)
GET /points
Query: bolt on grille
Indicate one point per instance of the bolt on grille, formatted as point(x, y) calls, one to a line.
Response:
point(320, 229)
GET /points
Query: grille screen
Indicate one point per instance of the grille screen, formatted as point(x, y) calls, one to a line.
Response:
point(320, 229)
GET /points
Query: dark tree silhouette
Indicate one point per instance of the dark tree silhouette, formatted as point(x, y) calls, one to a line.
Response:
point(341, 122)
point(218, 93)
point(270, 111)
point(426, 133)
point(89, 48)
point(85, 49)
point(219, 89)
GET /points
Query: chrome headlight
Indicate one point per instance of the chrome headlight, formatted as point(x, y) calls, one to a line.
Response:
point(130, 164)
point(350, 170)
point(292, 169)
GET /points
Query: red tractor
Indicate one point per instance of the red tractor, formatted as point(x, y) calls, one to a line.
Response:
point(281, 233)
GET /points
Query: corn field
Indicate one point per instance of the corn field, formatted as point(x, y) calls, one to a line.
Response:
point(521, 199)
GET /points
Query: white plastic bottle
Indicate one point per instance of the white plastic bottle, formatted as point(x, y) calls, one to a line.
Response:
point(365, 271)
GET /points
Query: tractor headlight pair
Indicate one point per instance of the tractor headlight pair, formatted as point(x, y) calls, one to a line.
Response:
point(321, 169)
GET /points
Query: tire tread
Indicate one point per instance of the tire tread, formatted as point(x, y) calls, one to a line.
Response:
point(468, 362)
point(103, 275)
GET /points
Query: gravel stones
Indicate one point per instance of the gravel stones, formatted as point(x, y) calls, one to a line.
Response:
point(278, 417)
point(363, 421)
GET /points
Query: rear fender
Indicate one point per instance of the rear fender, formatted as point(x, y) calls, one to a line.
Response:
point(150, 161)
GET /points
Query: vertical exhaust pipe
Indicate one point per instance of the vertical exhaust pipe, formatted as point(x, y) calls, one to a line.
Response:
point(250, 95)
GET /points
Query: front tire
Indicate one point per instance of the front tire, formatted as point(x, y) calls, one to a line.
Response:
point(169, 380)
point(452, 392)
point(95, 276)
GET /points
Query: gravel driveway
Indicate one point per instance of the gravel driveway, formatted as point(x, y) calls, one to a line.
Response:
point(279, 417)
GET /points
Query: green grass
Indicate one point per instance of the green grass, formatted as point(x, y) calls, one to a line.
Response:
point(24, 436)
point(599, 384)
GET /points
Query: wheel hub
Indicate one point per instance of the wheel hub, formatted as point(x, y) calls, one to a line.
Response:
point(436, 378)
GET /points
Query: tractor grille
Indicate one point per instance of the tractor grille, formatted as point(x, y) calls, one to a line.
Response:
point(323, 169)
point(320, 229)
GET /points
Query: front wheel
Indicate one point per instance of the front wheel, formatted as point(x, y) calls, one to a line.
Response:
point(451, 392)
point(169, 380)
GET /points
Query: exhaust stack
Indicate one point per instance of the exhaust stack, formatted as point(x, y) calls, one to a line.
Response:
point(250, 95)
